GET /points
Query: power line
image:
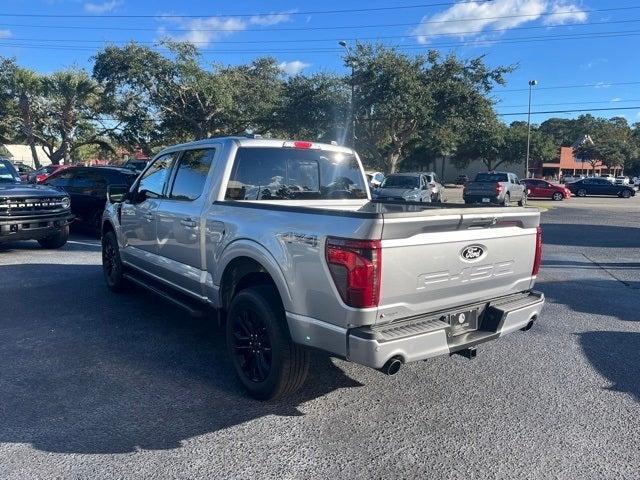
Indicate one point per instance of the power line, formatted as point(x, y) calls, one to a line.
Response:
point(568, 103)
point(478, 42)
point(584, 85)
point(569, 111)
point(429, 22)
point(304, 40)
point(224, 15)
point(308, 28)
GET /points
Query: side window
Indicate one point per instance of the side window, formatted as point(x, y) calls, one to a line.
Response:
point(155, 178)
point(63, 179)
point(89, 181)
point(191, 174)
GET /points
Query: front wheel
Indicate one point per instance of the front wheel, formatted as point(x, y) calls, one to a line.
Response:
point(111, 262)
point(557, 196)
point(581, 192)
point(626, 194)
point(56, 240)
point(267, 362)
point(523, 201)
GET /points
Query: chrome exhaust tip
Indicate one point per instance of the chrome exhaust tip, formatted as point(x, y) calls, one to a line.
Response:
point(392, 366)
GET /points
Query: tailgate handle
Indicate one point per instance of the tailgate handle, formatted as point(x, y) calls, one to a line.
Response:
point(483, 222)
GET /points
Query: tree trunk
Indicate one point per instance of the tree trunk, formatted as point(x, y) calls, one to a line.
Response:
point(442, 168)
point(34, 154)
point(392, 161)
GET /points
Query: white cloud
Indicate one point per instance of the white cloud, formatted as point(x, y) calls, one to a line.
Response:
point(203, 31)
point(5, 33)
point(462, 18)
point(565, 13)
point(294, 67)
point(616, 99)
point(602, 85)
point(100, 8)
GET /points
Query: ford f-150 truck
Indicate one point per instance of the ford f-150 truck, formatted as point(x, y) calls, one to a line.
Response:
point(282, 242)
point(32, 212)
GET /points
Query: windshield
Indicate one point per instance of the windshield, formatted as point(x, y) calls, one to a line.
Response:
point(267, 173)
point(492, 177)
point(8, 172)
point(401, 181)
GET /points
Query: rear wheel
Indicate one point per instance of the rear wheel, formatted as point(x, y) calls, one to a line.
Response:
point(267, 362)
point(581, 192)
point(507, 201)
point(111, 262)
point(557, 196)
point(56, 240)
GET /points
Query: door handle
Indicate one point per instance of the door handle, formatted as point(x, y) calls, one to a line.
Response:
point(188, 222)
point(148, 216)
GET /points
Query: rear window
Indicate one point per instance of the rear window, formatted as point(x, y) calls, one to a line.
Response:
point(267, 173)
point(401, 181)
point(492, 177)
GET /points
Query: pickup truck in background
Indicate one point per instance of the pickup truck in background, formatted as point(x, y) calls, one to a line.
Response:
point(502, 188)
point(282, 241)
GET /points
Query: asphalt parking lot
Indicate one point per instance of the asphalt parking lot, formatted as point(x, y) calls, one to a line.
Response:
point(95, 385)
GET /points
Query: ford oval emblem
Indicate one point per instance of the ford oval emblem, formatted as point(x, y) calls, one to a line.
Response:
point(472, 253)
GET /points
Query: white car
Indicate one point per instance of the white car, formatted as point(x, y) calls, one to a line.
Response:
point(622, 180)
point(572, 178)
point(608, 176)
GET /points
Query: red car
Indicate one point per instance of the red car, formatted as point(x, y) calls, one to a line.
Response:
point(542, 189)
point(40, 175)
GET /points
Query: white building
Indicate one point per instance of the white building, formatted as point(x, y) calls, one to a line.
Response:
point(22, 154)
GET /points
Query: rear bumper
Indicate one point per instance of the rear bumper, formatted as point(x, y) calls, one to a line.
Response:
point(32, 227)
point(477, 198)
point(417, 338)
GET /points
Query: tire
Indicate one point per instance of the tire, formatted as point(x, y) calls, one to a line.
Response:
point(266, 361)
point(56, 240)
point(507, 201)
point(557, 197)
point(112, 268)
point(581, 192)
point(523, 201)
point(625, 194)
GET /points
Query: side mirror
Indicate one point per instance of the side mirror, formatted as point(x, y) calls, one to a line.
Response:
point(117, 193)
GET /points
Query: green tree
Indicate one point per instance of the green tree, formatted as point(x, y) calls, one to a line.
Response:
point(485, 141)
point(541, 146)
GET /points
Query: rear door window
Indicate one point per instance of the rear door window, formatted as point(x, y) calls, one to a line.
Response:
point(268, 173)
point(191, 174)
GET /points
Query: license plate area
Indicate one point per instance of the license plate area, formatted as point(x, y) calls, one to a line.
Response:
point(486, 200)
point(462, 322)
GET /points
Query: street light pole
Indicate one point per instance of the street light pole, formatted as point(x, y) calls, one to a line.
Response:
point(532, 83)
point(352, 118)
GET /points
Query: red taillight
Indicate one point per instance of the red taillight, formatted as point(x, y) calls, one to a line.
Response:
point(538, 258)
point(355, 267)
point(299, 144)
point(498, 188)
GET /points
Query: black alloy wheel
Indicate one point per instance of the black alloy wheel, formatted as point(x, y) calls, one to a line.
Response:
point(251, 345)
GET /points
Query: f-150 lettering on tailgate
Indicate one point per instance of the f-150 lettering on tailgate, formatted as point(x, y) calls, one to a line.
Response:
point(467, 274)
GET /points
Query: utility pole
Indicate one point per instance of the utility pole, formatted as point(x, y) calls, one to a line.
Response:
point(352, 118)
point(532, 83)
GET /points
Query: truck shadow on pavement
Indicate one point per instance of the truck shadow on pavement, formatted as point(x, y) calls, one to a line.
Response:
point(88, 371)
point(595, 297)
point(615, 355)
point(579, 235)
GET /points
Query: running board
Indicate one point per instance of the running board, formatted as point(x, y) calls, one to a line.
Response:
point(165, 294)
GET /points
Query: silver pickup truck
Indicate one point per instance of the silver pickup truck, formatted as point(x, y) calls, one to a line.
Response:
point(281, 241)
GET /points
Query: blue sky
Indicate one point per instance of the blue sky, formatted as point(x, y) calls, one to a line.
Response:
point(560, 43)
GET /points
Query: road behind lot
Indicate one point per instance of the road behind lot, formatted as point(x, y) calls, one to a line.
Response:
point(95, 385)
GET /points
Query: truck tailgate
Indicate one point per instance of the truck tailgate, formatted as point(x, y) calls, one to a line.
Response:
point(438, 259)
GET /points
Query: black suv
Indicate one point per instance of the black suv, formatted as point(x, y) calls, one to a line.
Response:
point(32, 212)
point(87, 187)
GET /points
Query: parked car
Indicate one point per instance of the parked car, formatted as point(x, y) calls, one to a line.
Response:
point(375, 179)
point(135, 165)
point(502, 188)
point(622, 180)
point(23, 170)
point(87, 187)
point(600, 186)
point(571, 178)
point(462, 180)
point(408, 187)
point(32, 212)
point(538, 188)
point(42, 173)
point(245, 226)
